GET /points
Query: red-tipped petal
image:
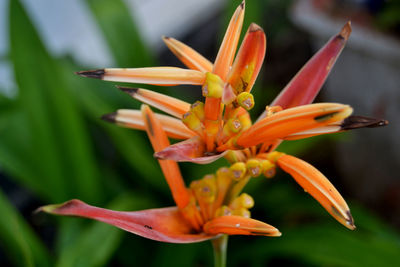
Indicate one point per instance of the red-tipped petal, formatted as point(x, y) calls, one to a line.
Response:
point(191, 150)
point(303, 88)
point(165, 224)
point(237, 225)
point(248, 61)
point(319, 187)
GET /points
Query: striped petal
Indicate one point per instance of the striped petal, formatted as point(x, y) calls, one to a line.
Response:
point(237, 225)
point(319, 187)
point(170, 105)
point(289, 121)
point(188, 56)
point(304, 87)
point(165, 225)
point(248, 61)
point(129, 118)
point(153, 75)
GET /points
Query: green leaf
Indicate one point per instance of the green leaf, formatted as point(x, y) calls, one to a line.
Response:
point(122, 36)
point(96, 243)
point(60, 145)
point(19, 242)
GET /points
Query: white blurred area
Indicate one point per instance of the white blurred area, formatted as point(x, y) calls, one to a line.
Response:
point(67, 27)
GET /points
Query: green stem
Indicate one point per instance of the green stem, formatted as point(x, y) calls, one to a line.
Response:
point(220, 245)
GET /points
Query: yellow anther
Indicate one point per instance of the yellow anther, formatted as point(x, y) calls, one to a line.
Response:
point(245, 100)
point(234, 125)
point(192, 122)
point(213, 86)
point(198, 109)
point(271, 110)
point(274, 156)
point(223, 211)
point(241, 212)
point(254, 167)
point(242, 201)
point(245, 121)
point(208, 188)
point(238, 170)
point(268, 168)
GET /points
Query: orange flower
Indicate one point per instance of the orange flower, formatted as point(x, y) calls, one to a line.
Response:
point(221, 126)
point(210, 207)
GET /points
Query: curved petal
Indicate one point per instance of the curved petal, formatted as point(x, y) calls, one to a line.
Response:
point(237, 225)
point(319, 187)
point(151, 75)
point(292, 120)
point(248, 61)
point(131, 118)
point(192, 59)
point(168, 104)
point(191, 150)
point(165, 224)
point(304, 87)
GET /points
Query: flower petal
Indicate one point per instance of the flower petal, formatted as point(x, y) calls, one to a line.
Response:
point(319, 187)
point(229, 44)
point(129, 118)
point(165, 225)
point(237, 225)
point(153, 75)
point(248, 61)
point(170, 105)
point(350, 123)
point(289, 121)
point(191, 150)
point(303, 88)
point(170, 168)
point(188, 56)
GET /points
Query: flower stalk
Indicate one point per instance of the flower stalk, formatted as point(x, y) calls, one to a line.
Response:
point(220, 246)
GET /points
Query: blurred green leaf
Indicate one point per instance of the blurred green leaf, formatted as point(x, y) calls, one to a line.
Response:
point(60, 145)
point(122, 36)
point(96, 243)
point(23, 247)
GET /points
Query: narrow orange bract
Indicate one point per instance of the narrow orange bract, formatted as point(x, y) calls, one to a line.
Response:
point(159, 141)
point(188, 56)
point(318, 186)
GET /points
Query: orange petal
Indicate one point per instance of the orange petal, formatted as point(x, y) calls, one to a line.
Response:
point(153, 75)
point(170, 105)
point(165, 225)
point(319, 187)
point(350, 123)
point(289, 121)
point(191, 150)
point(248, 61)
point(303, 88)
point(237, 225)
point(227, 50)
point(170, 168)
point(188, 56)
point(129, 118)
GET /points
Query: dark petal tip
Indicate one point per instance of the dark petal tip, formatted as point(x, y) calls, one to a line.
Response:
point(350, 219)
point(354, 122)
point(97, 74)
point(111, 117)
point(242, 4)
point(128, 90)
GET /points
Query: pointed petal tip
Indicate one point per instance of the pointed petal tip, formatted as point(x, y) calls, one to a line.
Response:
point(111, 117)
point(165, 37)
point(242, 5)
point(128, 90)
point(350, 221)
point(346, 31)
point(97, 74)
point(254, 28)
point(355, 122)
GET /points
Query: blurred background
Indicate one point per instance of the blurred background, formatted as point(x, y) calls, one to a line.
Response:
point(54, 147)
